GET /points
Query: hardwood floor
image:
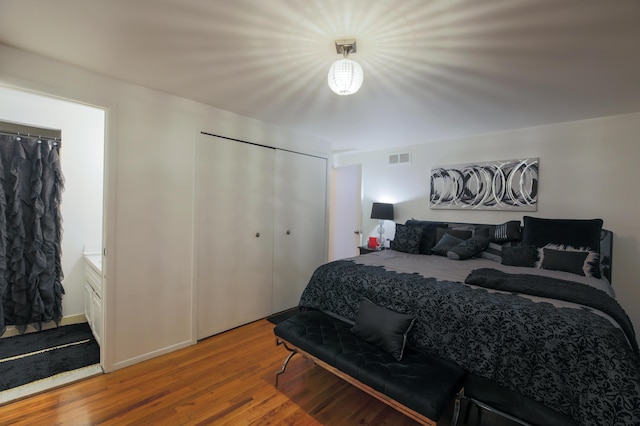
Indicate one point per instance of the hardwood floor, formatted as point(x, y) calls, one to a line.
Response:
point(228, 379)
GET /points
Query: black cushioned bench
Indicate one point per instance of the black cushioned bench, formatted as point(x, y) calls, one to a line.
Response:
point(420, 385)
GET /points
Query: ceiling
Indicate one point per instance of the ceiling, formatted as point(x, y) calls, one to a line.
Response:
point(434, 70)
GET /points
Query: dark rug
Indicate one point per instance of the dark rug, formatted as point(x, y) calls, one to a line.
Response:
point(50, 352)
point(281, 316)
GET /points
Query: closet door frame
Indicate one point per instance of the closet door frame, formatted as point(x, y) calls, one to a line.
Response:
point(300, 227)
point(233, 234)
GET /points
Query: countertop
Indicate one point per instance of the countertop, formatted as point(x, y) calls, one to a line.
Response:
point(95, 261)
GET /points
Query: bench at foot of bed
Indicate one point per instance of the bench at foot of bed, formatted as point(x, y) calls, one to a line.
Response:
point(420, 385)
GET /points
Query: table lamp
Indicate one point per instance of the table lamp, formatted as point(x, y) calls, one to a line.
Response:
point(382, 212)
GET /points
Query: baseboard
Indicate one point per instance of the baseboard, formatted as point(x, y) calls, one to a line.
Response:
point(149, 355)
point(71, 319)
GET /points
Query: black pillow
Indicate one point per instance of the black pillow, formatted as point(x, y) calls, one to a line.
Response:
point(461, 227)
point(468, 248)
point(428, 235)
point(571, 232)
point(508, 231)
point(568, 259)
point(446, 243)
point(526, 256)
point(383, 327)
point(482, 231)
point(463, 234)
point(539, 232)
point(407, 239)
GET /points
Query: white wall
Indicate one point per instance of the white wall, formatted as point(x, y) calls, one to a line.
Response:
point(82, 157)
point(588, 169)
point(149, 297)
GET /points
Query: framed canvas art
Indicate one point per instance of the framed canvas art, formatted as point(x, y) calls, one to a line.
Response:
point(493, 185)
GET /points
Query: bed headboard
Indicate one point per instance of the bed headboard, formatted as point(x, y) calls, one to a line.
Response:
point(606, 244)
point(606, 253)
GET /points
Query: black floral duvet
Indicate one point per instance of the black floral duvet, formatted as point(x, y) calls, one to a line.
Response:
point(571, 359)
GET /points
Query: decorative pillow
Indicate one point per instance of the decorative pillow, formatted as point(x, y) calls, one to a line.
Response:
point(482, 231)
point(479, 230)
point(468, 248)
point(407, 239)
point(446, 243)
point(383, 327)
point(463, 234)
point(526, 256)
point(494, 251)
point(508, 231)
point(461, 227)
point(577, 261)
point(428, 235)
point(569, 232)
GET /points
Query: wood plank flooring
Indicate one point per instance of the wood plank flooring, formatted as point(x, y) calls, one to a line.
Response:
point(228, 379)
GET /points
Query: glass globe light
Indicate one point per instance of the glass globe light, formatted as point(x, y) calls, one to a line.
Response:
point(345, 77)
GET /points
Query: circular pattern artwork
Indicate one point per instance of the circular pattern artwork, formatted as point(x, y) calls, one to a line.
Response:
point(495, 185)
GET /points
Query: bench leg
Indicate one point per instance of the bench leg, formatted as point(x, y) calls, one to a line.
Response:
point(456, 409)
point(287, 359)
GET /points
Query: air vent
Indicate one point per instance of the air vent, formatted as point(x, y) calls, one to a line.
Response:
point(403, 158)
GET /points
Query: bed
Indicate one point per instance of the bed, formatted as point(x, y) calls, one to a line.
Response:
point(527, 305)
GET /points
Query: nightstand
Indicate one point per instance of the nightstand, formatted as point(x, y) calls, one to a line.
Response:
point(366, 249)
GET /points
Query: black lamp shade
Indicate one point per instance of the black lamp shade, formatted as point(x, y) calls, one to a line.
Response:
point(382, 211)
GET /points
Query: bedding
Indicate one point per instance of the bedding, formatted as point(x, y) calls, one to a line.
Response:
point(579, 360)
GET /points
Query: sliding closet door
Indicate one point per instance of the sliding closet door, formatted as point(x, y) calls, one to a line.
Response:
point(233, 233)
point(300, 230)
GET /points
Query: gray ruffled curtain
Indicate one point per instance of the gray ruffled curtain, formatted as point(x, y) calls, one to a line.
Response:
point(31, 184)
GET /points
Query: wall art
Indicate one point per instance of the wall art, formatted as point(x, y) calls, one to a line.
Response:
point(494, 185)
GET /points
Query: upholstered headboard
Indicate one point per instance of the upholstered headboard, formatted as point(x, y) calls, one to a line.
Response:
point(606, 240)
point(606, 253)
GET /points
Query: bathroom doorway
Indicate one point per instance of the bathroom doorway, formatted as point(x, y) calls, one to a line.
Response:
point(82, 159)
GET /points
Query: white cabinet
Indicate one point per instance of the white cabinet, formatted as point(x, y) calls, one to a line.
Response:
point(93, 296)
point(259, 230)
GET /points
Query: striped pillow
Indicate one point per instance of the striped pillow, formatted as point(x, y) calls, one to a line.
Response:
point(494, 251)
point(508, 231)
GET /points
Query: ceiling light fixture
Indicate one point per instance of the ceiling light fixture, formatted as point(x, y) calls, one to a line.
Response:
point(345, 76)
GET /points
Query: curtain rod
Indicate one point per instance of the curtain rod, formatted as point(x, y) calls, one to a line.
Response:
point(261, 145)
point(28, 135)
point(19, 129)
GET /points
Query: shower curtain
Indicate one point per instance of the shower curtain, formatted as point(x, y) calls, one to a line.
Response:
point(31, 184)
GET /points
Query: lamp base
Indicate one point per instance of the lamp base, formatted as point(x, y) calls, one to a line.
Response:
point(381, 239)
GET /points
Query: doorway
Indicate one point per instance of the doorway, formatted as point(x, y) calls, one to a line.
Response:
point(345, 216)
point(82, 159)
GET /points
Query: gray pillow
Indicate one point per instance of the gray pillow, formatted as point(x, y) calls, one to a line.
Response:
point(494, 251)
point(383, 328)
point(446, 243)
point(468, 248)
